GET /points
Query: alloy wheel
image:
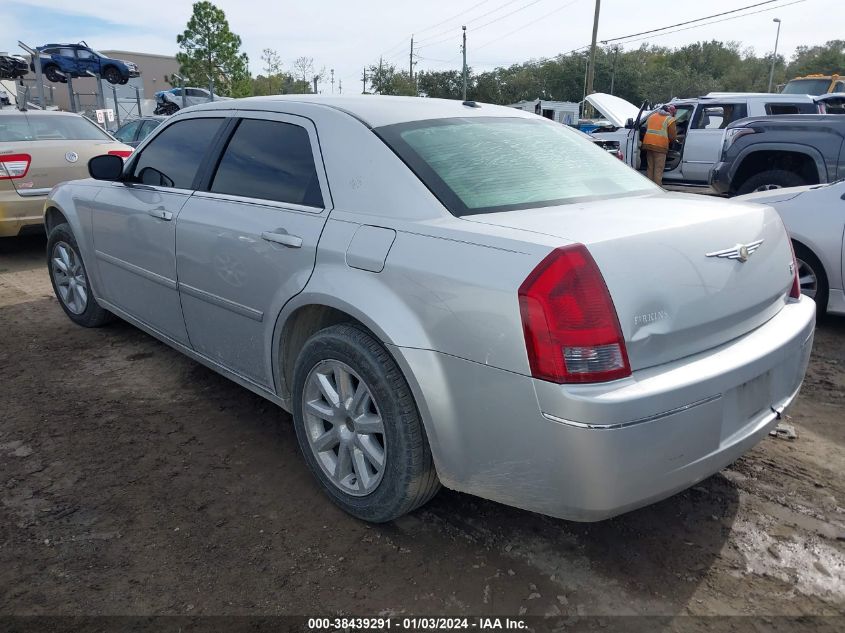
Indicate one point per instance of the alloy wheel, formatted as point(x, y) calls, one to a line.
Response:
point(807, 278)
point(344, 428)
point(69, 277)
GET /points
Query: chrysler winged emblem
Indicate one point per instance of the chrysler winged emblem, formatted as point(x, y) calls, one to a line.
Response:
point(740, 252)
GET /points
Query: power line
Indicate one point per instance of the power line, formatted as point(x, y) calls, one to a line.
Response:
point(663, 28)
point(457, 15)
point(428, 41)
point(735, 17)
point(525, 26)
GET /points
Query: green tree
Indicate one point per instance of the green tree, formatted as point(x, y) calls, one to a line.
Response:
point(211, 53)
point(386, 80)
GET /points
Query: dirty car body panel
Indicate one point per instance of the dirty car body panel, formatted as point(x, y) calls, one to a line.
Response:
point(392, 231)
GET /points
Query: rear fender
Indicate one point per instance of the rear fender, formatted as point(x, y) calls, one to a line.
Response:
point(795, 148)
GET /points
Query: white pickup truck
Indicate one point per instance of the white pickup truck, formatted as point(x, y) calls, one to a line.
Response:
point(700, 124)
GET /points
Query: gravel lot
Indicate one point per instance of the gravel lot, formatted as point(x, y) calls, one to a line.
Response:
point(135, 481)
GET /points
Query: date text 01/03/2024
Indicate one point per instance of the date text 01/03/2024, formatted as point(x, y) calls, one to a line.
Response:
point(415, 624)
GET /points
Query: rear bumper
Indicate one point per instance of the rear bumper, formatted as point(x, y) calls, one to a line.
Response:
point(19, 212)
point(592, 452)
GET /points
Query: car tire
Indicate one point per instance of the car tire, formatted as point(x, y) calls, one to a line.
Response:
point(62, 246)
point(51, 72)
point(771, 179)
point(112, 75)
point(811, 275)
point(406, 478)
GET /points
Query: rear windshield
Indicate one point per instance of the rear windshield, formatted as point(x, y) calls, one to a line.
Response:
point(45, 127)
point(806, 87)
point(489, 164)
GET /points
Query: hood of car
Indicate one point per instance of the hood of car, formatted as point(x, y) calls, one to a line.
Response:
point(614, 109)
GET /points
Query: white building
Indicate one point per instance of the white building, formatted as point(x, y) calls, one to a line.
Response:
point(566, 112)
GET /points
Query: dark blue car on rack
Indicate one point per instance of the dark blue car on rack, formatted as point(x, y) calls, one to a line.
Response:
point(60, 61)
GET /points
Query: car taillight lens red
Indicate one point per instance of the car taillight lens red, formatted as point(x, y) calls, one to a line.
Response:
point(123, 153)
point(795, 291)
point(572, 332)
point(14, 166)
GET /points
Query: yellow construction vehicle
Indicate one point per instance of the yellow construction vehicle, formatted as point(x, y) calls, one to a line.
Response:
point(815, 85)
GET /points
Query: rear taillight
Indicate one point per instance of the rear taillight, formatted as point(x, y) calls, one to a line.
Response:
point(795, 291)
point(123, 153)
point(572, 333)
point(14, 166)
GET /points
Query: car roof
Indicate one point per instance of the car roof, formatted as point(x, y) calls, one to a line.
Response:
point(39, 112)
point(768, 96)
point(373, 110)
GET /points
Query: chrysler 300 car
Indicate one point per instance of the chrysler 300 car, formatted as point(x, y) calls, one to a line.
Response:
point(445, 293)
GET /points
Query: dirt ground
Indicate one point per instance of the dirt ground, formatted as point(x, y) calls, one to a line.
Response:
point(135, 481)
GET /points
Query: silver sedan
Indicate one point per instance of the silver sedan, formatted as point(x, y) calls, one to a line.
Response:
point(445, 293)
point(815, 219)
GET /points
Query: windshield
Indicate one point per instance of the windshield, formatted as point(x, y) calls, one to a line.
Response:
point(20, 127)
point(489, 164)
point(806, 87)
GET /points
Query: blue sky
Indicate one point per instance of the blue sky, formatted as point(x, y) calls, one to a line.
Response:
point(346, 35)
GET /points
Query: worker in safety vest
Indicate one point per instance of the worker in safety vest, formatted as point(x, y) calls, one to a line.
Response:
point(659, 133)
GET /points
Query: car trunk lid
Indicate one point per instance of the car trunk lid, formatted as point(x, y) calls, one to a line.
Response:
point(674, 296)
point(55, 161)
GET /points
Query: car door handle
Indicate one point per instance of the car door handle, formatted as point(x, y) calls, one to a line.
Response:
point(285, 239)
point(161, 214)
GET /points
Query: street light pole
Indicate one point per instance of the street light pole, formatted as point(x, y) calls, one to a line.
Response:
point(774, 55)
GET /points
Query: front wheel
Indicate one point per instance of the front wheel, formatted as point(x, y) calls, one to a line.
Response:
point(70, 279)
point(112, 75)
point(52, 73)
point(771, 179)
point(358, 426)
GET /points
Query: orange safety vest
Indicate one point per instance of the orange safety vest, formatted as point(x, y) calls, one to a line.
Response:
point(657, 133)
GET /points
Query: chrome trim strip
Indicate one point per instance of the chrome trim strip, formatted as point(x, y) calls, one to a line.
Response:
point(621, 425)
point(31, 193)
point(221, 302)
point(287, 206)
point(141, 272)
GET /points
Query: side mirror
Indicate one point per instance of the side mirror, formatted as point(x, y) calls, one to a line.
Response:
point(106, 167)
point(152, 176)
point(629, 124)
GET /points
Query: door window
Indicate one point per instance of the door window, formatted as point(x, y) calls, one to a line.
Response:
point(790, 108)
point(173, 158)
point(147, 127)
point(269, 160)
point(83, 54)
point(718, 116)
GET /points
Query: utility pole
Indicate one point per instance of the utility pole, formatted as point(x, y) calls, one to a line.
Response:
point(314, 79)
point(774, 55)
point(332, 80)
point(592, 68)
point(411, 62)
point(364, 82)
point(613, 72)
point(464, 50)
point(340, 86)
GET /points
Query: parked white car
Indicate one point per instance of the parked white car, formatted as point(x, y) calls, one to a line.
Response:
point(700, 124)
point(815, 219)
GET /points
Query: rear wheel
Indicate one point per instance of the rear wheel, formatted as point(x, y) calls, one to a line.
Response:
point(811, 277)
point(771, 179)
point(51, 71)
point(358, 426)
point(70, 279)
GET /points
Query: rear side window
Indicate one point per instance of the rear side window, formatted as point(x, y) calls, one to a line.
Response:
point(173, 158)
point(269, 160)
point(791, 108)
point(49, 127)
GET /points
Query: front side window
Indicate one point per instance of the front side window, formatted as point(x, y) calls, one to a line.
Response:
point(718, 116)
point(271, 161)
point(489, 164)
point(173, 158)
